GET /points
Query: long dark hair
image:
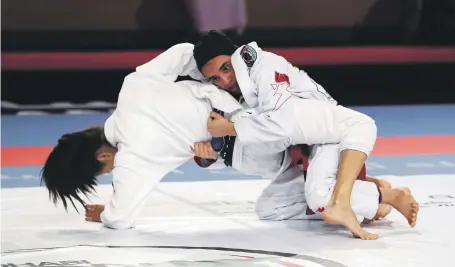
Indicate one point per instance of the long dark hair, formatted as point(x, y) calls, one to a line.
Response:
point(71, 168)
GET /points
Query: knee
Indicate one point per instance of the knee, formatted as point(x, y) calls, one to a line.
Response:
point(266, 212)
point(369, 127)
point(271, 212)
point(267, 215)
point(373, 128)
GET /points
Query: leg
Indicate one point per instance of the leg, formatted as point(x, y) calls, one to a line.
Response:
point(284, 198)
point(339, 210)
point(320, 185)
point(356, 134)
point(384, 209)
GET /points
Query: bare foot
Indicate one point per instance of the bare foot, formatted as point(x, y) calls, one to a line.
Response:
point(406, 190)
point(383, 211)
point(405, 203)
point(334, 214)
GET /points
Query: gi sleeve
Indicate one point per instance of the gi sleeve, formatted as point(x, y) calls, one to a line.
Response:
point(134, 177)
point(308, 121)
point(267, 127)
point(177, 61)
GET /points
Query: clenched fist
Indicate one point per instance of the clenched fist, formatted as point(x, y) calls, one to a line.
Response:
point(204, 150)
point(93, 213)
point(218, 126)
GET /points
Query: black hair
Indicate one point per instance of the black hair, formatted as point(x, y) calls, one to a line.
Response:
point(71, 168)
point(212, 44)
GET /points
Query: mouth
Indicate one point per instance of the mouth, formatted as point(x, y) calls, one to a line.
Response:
point(234, 88)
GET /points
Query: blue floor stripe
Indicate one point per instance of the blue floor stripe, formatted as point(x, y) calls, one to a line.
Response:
point(40, 130)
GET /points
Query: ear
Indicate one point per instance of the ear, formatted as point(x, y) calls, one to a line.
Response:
point(104, 156)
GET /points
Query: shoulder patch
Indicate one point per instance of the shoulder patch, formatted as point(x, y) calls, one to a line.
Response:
point(248, 55)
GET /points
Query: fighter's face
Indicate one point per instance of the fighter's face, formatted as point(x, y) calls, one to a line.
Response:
point(219, 72)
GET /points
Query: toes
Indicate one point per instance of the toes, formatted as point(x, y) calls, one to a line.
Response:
point(372, 237)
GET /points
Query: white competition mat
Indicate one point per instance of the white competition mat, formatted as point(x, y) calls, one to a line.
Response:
point(213, 224)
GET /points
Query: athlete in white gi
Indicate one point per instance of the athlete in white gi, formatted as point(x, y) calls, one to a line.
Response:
point(256, 158)
point(289, 109)
point(146, 131)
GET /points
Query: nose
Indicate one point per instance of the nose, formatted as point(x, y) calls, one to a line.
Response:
point(225, 81)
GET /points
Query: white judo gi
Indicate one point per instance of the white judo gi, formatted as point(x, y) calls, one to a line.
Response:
point(324, 122)
point(293, 108)
point(155, 124)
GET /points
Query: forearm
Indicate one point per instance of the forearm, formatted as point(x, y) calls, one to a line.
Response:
point(262, 128)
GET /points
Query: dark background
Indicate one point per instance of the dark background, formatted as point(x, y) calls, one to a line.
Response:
point(118, 25)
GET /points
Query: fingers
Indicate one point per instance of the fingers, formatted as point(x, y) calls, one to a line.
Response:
point(215, 116)
point(93, 207)
point(93, 212)
point(89, 207)
point(200, 150)
point(89, 214)
point(92, 217)
point(211, 154)
point(204, 150)
point(212, 118)
point(214, 121)
point(209, 149)
point(197, 150)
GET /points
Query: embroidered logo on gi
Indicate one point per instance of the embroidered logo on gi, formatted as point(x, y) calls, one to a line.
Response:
point(279, 78)
point(248, 55)
point(280, 89)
